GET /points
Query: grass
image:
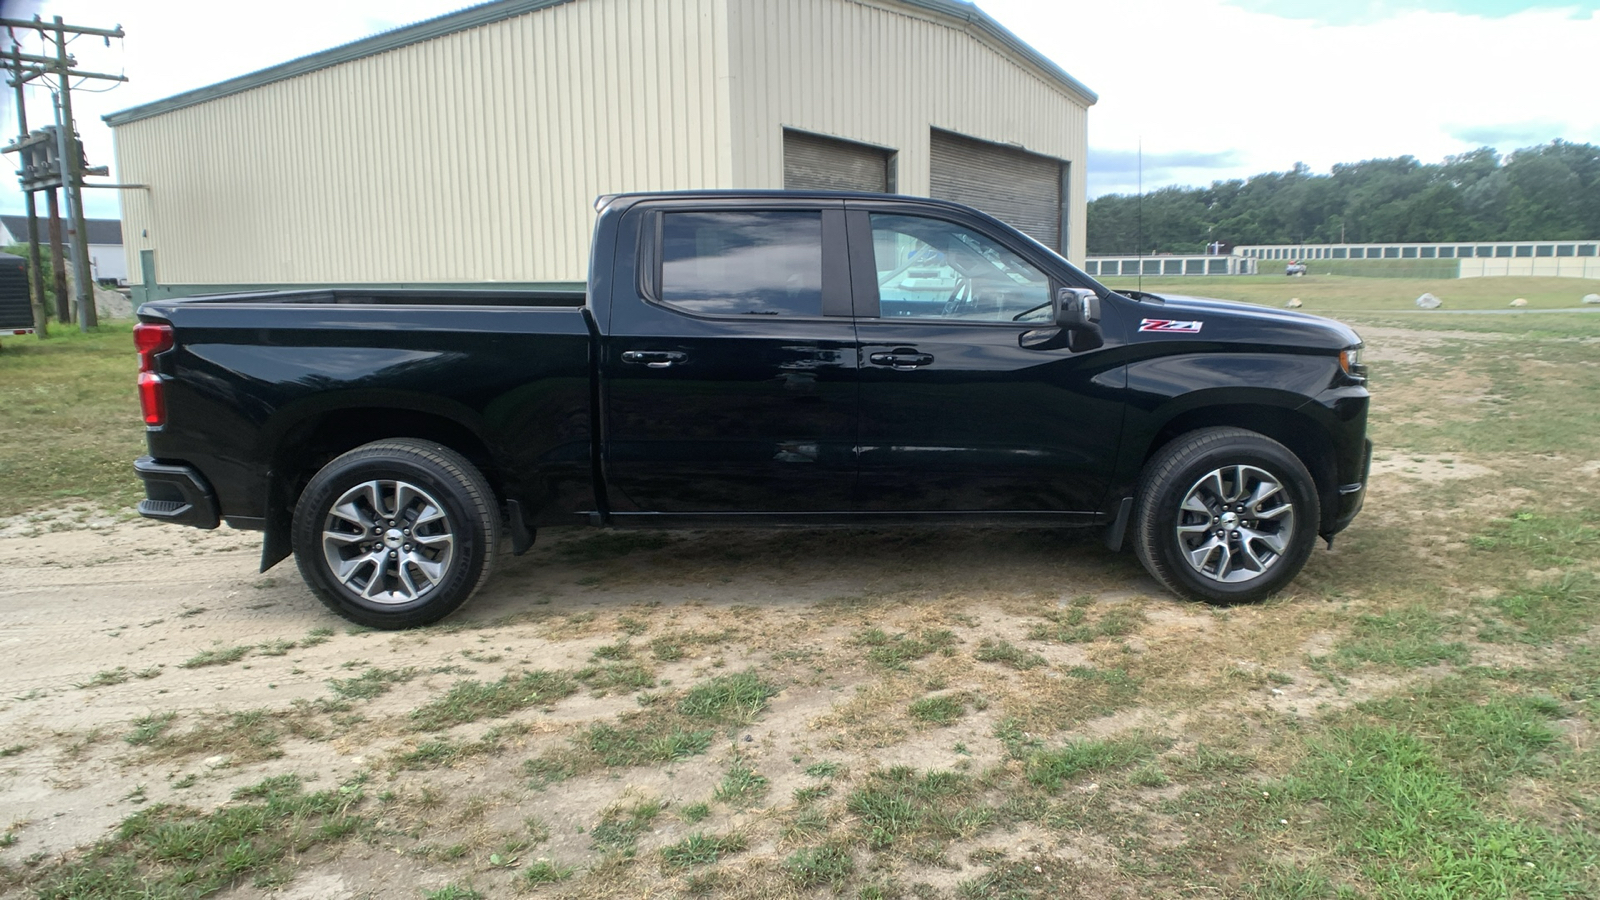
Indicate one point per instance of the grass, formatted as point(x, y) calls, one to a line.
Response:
point(941, 710)
point(900, 650)
point(106, 678)
point(374, 682)
point(1396, 809)
point(901, 810)
point(619, 827)
point(172, 852)
point(453, 892)
point(742, 786)
point(830, 864)
point(1073, 624)
point(1007, 654)
point(469, 701)
point(216, 656)
point(69, 420)
point(1050, 769)
point(700, 849)
point(241, 737)
point(1337, 294)
point(1405, 638)
point(666, 731)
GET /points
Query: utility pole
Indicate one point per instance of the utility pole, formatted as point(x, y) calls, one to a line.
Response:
point(70, 162)
point(41, 319)
point(72, 159)
point(58, 260)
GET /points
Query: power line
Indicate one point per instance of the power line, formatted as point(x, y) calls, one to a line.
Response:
point(68, 166)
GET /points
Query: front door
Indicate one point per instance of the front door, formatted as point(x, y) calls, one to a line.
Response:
point(956, 415)
point(729, 372)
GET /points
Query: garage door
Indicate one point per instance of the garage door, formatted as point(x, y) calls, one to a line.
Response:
point(1019, 188)
point(812, 162)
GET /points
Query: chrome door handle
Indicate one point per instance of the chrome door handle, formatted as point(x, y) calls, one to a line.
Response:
point(654, 359)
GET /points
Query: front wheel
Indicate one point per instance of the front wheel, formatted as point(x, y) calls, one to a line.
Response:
point(396, 534)
point(1225, 515)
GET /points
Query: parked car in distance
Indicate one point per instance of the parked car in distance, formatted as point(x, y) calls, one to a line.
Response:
point(743, 358)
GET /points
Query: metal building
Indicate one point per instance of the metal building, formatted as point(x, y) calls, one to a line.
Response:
point(471, 147)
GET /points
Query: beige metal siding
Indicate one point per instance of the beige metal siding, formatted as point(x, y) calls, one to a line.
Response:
point(473, 156)
point(886, 74)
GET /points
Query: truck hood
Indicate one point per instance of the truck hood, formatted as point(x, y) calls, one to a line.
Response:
point(1229, 320)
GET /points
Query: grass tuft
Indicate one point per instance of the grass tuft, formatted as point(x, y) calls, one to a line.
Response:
point(701, 849)
point(469, 701)
point(217, 656)
point(899, 651)
point(172, 852)
point(1007, 654)
point(1051, 768)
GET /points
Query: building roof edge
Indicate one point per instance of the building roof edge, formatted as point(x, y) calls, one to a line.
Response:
point(500, 10)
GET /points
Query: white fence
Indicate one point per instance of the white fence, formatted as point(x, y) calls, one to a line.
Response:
point(1476, 259)
point(1128, 266)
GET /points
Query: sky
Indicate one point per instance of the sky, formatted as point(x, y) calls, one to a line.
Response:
point(1202, 90)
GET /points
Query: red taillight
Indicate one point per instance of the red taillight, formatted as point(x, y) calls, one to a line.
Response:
point(150, 340)
point(152, 402)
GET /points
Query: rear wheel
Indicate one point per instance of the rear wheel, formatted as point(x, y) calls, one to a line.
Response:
point(1225, 515)
point(396, 534)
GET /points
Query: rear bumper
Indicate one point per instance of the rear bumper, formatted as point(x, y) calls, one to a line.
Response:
point(1353, 495)
point(176, 493)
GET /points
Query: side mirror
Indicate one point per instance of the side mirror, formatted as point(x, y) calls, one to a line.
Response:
point(1076, 312)
point(1077, 309)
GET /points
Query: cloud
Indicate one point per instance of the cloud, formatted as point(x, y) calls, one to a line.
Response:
point(1122, 162)
point(1192, 76)
point(1363, 12)
point(1122, 171)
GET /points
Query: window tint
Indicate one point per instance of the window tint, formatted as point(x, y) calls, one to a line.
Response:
point(930, 268)
point(735, 263)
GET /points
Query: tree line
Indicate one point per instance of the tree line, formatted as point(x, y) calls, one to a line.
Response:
point(1546, 192)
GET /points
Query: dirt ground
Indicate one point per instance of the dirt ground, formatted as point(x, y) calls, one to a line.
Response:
point(99, 619)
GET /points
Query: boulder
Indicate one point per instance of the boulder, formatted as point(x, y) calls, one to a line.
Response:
point(1520, 301)
point(1429, 301)
point(1591, 298)
point(1293, 303)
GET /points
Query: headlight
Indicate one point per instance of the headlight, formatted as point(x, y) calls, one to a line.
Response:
point(1350, 363)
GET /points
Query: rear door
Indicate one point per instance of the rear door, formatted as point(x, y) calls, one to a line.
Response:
point(729, 369)
point(956, 415)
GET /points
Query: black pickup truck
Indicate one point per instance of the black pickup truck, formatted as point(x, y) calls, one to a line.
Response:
point(743, 358)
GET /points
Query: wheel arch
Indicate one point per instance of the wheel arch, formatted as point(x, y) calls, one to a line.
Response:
point(310, 441)
point(1302, 434)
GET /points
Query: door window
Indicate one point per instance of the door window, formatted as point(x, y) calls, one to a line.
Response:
point(931, 268)
point(742, 263)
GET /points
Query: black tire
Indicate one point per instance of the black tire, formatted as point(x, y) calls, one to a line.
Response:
point(1265, 545)
point(434, 533)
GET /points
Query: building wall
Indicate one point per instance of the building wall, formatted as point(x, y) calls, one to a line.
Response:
point(108, 261)
point(886, 75)
point(473, 156)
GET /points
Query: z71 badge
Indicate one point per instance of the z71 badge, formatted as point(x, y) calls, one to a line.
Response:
point(1170, 325)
